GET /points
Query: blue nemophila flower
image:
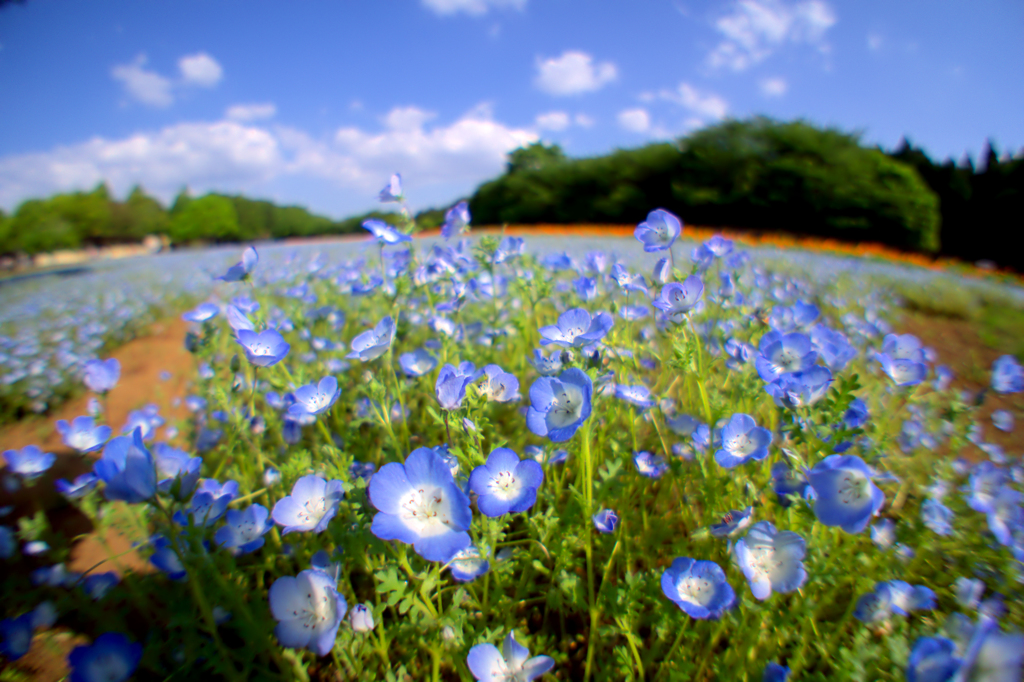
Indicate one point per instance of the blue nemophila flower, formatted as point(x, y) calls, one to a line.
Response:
point(676, 300)
point(111, 658)
point(505, 484)
point(969, 591)
point(176, 467)
point(511, 664)
point(906, 597)
point(627, 281)
point(937, 516)
point(985, 482)
point(202, 313)
point(420, 504)
point(857, 415)
point(788, 482)
point(902, 371)
point(237, 319)
point(799, 389)
point(455, 220)
point(244, 530)
point(1003, 420)
point(308, 609)
point(550, 365)
point(585, 288)
point(16, 636)
point(384, 233)
point(373, 343)
point(127, 468)
point(639, 396)
point(417, 363)
point(833, 347)
point(360, 618)
point(650, 465)
point(702, 257)
point(659, 231)
point(509, 248)
point(1007, 375)
point(883, 534)
point(773, 672)
point(932, 659)
point(311, 506)
point(606, 521)
point(241, 270)
point(874, 606)
point(393, 190)
point(264, 349)
point(732, 523)
point(79, 488)
point(499, 385)
point(315, 398)
point(165, 558)
point(560, 406)
point(781, 354)
point(1006, 515)
point(97, 585)
point(452, 381)
point(662, 271)
point(468, 564)
point(698, 587)
point(30, 462)
point(743, 441)
point(845, 494)
point(204, 509)
point(903, 347)
point(771, 560)
point(102, 375)
point(719, 245)
point(576, 329)
point(82, 434)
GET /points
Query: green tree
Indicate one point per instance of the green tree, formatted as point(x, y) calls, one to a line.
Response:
point(210, 217)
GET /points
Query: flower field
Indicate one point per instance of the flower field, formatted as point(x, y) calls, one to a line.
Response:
point(508, 458)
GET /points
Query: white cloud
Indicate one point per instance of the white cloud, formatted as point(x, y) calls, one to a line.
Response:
point(152, 89)
point(874, 42)
point(635, 120)
point(251, 112)
point(706, 105)
point(773, 87)
point(147, 87)
point(583, 121)
point(553, 120)
point(472, 7)
point(754, 29)
point(200, 69)
point(231, 156)
point(573, 73)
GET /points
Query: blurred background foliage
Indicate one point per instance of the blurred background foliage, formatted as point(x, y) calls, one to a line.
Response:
point(757, 174)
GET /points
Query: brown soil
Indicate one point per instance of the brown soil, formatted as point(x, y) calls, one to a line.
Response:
point(142, 361)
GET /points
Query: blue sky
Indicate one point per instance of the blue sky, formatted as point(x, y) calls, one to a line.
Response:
point(318, 102)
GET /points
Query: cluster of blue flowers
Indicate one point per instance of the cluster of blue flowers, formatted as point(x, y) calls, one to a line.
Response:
point(691, 394)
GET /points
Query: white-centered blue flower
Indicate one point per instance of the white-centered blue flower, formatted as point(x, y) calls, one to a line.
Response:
point(742, 441)
point(312, 504)
point(82, 434)
point(511, 664)
point(244, 530)
point(373, 343)
point(560, 406)
point(506, 484)
point(419, 503)
point(698, 587)
point(111, 658)
point(315, 399)
point(308, 609)
point(576, 328)
point(845, 495)
point(771, 560)
point(659, 231)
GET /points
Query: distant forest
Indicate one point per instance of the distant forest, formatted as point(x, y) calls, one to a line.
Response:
point(757, 174)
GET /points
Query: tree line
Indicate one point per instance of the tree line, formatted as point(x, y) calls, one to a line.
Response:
point(767, 175)
point(757, 173)
point(82, 219)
